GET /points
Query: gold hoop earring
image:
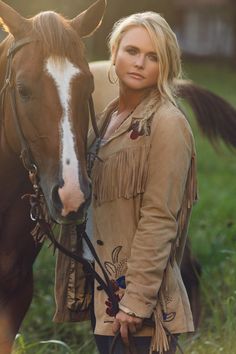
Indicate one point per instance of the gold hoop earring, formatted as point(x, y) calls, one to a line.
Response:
point(112, 77)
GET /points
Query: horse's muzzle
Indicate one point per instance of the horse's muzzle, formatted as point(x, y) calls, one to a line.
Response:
point(66, 208)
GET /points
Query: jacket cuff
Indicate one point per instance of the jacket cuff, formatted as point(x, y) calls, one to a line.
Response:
point(135, 306)
point(128, 311)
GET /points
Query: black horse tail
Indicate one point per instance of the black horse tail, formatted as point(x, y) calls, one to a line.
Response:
point(215, 116)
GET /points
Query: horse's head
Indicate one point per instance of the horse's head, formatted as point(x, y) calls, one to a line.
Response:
point(50, 83)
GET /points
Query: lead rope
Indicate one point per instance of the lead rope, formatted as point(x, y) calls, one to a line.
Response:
point(88, 266)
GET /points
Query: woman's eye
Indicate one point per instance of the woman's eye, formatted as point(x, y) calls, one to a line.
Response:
point(131, 51)
point(24, 92)
point(153, 57)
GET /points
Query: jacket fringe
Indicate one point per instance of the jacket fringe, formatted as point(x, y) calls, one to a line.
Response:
point(38, 233)
point(72, 291)
point(159, 341)
point(190, 197)
point(112, 179)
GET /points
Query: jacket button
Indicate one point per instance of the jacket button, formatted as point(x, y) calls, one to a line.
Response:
point(100, 242)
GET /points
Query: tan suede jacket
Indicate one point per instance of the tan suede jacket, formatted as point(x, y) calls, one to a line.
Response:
point(144, 186)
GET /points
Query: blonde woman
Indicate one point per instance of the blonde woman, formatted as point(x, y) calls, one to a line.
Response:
point(144, 186)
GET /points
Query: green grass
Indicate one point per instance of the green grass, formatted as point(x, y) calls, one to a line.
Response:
point(213, 227)
point(213, 237)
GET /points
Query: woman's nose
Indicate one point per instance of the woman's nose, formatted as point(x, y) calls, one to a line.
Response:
point(140, 61)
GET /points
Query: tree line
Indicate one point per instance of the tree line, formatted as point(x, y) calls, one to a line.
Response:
point(116, 9)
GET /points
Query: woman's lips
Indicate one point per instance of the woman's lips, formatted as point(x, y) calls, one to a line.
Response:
point(136, 75)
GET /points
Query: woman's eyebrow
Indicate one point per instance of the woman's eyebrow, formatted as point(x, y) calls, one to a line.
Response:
point(131, 46)
point(137, 48)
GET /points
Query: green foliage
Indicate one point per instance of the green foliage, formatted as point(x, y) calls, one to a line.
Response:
point(213, 227)
point(213, 236)
point(41, 347)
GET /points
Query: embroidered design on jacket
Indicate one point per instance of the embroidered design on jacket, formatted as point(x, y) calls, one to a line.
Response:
point(116, 270)
point(167, 317)
point(139, 128)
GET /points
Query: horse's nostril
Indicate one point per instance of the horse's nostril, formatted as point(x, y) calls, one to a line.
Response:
point(56, 199)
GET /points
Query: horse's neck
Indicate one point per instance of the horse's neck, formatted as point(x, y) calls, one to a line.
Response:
point(12, 186)
point(13, 176)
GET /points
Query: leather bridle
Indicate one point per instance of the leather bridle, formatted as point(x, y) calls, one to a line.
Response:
point(36, 213)
point(26, 154)
point(31, 167)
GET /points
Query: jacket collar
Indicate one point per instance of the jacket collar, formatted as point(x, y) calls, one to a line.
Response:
point(142, 112)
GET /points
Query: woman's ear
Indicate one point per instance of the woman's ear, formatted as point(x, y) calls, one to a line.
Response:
point(113, 55)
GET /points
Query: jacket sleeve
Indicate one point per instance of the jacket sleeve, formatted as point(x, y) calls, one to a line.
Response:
point(168, 165)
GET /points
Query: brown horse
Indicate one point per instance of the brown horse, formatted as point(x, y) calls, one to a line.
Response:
point(46, 85)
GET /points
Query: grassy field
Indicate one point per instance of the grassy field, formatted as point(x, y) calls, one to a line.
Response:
point(213, 237)
point(213, 227)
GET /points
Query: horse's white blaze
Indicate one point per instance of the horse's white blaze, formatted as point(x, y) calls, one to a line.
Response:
point(63, 72)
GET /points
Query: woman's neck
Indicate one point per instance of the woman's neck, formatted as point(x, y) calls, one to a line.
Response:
point(130, 99)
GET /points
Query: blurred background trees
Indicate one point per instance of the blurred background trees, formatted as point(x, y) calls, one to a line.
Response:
point(205, 28)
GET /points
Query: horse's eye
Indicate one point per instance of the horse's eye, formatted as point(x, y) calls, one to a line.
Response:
point(24, 92)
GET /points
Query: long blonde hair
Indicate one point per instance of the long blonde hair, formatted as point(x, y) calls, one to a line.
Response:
point(165, 43)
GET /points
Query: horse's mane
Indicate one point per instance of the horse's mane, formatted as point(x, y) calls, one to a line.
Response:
point(56, 35)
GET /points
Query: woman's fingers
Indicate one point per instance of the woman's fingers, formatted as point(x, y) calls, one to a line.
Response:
point(115, 326)
point(124, 332)
point(132, 328)
point(126, 324)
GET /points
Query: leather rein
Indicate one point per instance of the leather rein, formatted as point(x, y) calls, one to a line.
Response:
point(37, 202)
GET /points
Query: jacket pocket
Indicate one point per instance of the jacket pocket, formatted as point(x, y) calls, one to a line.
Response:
point(121, 175)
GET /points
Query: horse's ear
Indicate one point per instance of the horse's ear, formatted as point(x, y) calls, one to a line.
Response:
point(12, 21)
point(88, 21)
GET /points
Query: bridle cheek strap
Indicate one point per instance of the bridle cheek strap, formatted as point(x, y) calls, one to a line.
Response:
point(26, 154)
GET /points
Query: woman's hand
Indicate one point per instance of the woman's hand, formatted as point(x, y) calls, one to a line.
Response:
point(125, 324)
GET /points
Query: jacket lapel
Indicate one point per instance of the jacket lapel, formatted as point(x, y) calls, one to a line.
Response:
point(141, 113)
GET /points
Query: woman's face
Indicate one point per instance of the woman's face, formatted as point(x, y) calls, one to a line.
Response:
point(136, 61)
